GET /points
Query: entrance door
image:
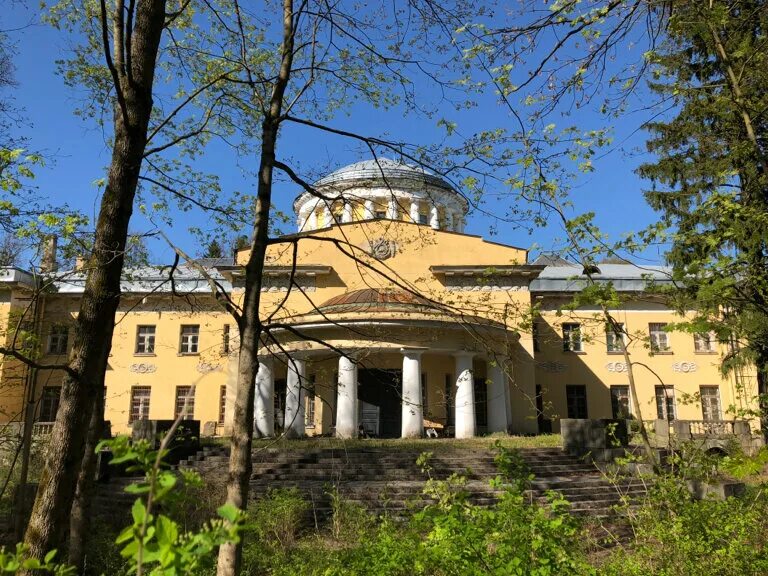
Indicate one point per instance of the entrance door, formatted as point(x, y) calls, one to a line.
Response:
point(381, 389)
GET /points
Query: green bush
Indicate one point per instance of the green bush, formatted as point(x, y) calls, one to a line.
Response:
point(277, 519)
point(678, 536)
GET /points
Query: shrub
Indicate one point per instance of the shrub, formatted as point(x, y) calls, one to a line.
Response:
point(277, 518)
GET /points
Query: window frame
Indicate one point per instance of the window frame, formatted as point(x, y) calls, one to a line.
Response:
point(180, 400)
point(572, 341)
point(143, 406)
point(653, 335)
point(222, 404)
point(58, 340)
point(663, 408)
point(226, 340)
point(50, 398)
point(139, 336)
point(615, 402)
point(309, 399)
point(189, 343)
point(698, 338)
point(572, 388)
point(719, 410)
point(611, 338)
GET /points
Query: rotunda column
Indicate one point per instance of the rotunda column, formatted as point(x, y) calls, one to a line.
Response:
point(294, 398)
point(346, 216)
point(497, 397)
point(368, 210)
point(413, 414)
point(264, 400)
point(449, 220)
point(346, 399)
point(301, 221)
point(460, 223)
point(392, 209)
point(434, 218)
point(312, 219)
point(415, 211)
point(466, 424)
point(327, 216)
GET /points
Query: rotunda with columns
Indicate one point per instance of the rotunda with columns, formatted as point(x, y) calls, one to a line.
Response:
point(388, 322)
point(381, 189)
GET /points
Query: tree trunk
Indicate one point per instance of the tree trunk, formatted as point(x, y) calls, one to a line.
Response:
point(240, 464)
point(95, 322)
point(79, 521)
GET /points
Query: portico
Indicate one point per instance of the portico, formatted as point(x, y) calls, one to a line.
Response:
point(387, 384)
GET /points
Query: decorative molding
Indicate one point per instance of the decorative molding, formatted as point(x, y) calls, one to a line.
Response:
point(206, 367)
point(553, 367)
point(142, 368)
point(280, 283)
point(381, 248)
point(617, 367)
point(475, 283)
point(685, 367)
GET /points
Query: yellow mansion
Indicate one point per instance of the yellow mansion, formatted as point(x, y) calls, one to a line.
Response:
point(383, 317)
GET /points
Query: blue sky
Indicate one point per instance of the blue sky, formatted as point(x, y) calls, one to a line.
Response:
point(78, 154)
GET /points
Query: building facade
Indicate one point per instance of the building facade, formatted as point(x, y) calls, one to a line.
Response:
point(383, 317)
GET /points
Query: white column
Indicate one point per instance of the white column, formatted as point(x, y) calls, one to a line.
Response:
point(392, 211)
point(301, 221)
point(466, 426)
point(449, 220)
point(460, 223)
point(327, 216)
point(415, 211)
point(264, 400)
point(312, 220)
point(413, 414)
point(346, 399)
point(434, 219)
point(497, 397)
point(348, 211)
point(368, 215)
point(294, 398)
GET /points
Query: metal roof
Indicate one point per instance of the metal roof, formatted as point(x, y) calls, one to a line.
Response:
point(624, 277)
point(186, 280)
point(381, 169)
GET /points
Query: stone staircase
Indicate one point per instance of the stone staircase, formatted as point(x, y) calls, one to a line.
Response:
point(389, 480)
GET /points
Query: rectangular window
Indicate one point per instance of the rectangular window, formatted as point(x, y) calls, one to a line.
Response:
point(49, 403)
point(380, 214)
point(620, 403)
point(424, 397)
point(222, 403)
point(309, 410)
point(225, 339)
point(614, 337)
point(665, 402)
point(139, 403)
point(423, 218)
point(535, 336)
point(185, 402)
point(703, 343)
point(659, 339)
point(481, 402)
point(190, 339)
point(58, 339)
point(572, 337)
point(145, 340)
point(710, 403)
point(576, 400)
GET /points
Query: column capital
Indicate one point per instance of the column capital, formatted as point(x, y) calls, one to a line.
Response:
point(413, 352)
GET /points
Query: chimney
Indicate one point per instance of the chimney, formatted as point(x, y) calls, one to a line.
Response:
point(48, 262)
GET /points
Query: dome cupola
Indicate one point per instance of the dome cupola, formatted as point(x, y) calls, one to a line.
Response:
point(381, 189)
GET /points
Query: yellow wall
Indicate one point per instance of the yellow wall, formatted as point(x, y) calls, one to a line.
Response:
point(416, 249)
